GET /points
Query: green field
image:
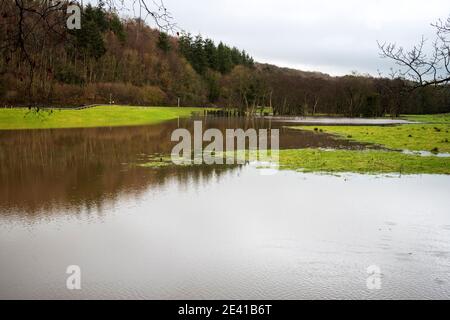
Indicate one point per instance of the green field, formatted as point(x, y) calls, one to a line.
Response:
point(338, 161)
point(369, 161)
point(432, 135)
point(430, 118)
point(415, 137)
point(101, 116)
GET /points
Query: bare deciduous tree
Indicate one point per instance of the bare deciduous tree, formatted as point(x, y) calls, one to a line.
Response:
point(421, 65)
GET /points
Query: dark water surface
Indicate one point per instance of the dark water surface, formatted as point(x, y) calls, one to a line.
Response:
point(74, 197)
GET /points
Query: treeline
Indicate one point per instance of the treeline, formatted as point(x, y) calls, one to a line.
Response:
point(112, 60)
point(353, 95)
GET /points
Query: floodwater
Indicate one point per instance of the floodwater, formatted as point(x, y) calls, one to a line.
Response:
point(75, 197)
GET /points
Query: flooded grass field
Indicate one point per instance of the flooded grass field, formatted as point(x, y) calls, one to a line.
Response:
point(77, 197)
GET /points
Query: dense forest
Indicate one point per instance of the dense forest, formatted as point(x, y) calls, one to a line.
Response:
point(124, 61)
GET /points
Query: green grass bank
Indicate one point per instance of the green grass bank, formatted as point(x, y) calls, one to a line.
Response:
point(101, 116)
point(368, 161)
point(429, 118)
point(340, 161)
point(415, 137)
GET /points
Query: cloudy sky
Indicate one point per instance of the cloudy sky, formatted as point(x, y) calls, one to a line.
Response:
point(335, 37)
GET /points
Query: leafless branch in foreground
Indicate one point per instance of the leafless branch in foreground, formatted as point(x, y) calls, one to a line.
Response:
point(422, 65)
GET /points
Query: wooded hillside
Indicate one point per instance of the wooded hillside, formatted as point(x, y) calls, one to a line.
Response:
point(124, 61)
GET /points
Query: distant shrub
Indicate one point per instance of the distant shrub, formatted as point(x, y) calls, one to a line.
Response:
point(120, 93)
point(67, 94)
point(11, 95)
point(68, 75)
point(153, 96)
point(115, 92)
point(8, 90)
point(2, 88)
point(90, 93)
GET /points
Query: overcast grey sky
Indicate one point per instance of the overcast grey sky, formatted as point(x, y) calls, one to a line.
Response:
point(335, 37)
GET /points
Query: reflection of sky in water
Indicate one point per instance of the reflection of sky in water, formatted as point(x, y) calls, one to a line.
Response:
point(311, 236)
point(427, 154)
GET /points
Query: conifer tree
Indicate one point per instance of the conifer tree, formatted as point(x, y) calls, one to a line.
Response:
point(224, 58)
point(163, 42)
point(199, 58)
point(211, 54)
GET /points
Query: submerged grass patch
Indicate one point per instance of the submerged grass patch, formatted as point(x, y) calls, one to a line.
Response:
point(369, 161)
point(157, 161)
point(101, 116)
point(415, 137)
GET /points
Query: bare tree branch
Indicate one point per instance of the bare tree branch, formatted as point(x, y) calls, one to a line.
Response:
point(419, 67)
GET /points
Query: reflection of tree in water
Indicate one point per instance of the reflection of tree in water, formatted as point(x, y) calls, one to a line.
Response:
point(50, 170)
point(74, 168)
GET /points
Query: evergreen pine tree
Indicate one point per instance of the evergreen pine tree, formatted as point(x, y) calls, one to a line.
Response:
point(185, 46)
point(224, 58)
point(211, 54)
point(199, 58)
point(236, 56)
point(163, 42)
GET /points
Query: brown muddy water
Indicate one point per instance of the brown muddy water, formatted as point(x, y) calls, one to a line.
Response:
point(75, 197)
